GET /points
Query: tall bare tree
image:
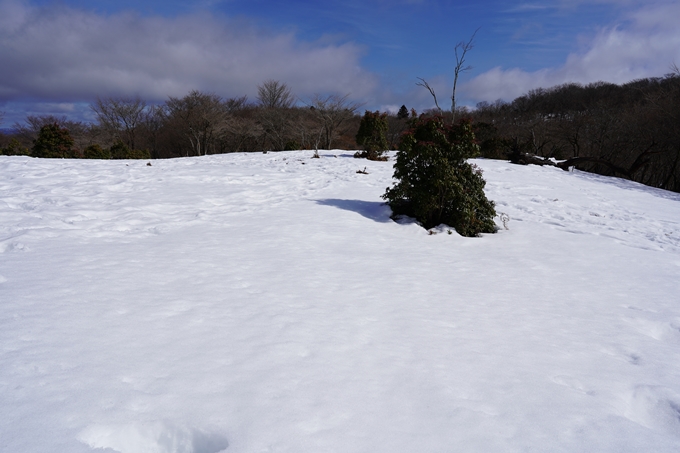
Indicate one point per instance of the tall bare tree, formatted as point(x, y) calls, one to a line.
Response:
point(202, 116)
point(275, 94)
point(121, 117)
point(332, 112)
point(460, 51)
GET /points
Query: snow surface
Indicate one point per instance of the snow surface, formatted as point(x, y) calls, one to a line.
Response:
point(267, 303)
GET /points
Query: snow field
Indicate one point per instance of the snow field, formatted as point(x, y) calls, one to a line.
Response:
point(267, 303)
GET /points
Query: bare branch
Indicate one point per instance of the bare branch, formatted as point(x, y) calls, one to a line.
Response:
point(423, 83)
point(675, 70)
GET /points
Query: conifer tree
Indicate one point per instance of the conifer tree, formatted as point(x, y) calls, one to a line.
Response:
point(55, 142)
point(371, 135)
point(435, 183)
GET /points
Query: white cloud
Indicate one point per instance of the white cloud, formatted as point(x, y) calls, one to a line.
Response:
point(62, 53)
point(643, 46)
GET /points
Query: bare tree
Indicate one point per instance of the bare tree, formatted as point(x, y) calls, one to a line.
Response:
point(274, 94)
point(120, 117)
point(332, 112)
point(202, 116)
point(460, 52)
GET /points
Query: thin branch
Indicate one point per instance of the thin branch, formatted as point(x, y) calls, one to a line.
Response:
point(675, 69)
point(423, 83)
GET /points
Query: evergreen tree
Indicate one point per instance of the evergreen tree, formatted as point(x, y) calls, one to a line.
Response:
point(435, 183)
point(371, 135)
point(402, 114)
point(54, 142)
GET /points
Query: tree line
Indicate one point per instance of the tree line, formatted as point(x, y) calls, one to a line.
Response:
point(202, 123)
point(630, 130)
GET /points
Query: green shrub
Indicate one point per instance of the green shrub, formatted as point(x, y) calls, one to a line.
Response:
point(54, 142)
point(14, 148)
point(435, 183)
point(139, 154)
point(120, 150)
point(96, 152)
point(291, 145)
point(371, 135)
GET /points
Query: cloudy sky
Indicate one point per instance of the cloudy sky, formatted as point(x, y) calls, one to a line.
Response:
point(57, 56)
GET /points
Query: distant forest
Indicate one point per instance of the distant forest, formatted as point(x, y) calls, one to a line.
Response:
point(630, 131)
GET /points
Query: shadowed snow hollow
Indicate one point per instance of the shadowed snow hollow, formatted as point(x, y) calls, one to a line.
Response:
point(156, 437)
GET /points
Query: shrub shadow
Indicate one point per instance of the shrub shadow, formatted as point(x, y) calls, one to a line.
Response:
point(374, 210)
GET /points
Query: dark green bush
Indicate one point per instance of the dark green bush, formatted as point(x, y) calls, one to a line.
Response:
point(435, 183)
point(14, 148)
point(54, 142)
point(96, 152)
point(371, 135)
point(291, 145)
point(139, 154)
point(120, 151)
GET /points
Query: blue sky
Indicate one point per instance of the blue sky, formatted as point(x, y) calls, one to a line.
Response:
point(57, 57)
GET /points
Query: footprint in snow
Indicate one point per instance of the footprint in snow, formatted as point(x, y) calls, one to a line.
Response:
point(158, 437)
point(654, 407)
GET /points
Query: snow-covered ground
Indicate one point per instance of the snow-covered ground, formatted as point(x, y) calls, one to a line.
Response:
point(267, 303)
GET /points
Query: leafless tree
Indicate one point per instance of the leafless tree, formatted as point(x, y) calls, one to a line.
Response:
point(274, 94)
point(202, 116)
point(275, 127)
point(120, 117)
point(332, 112)
point(460, 52)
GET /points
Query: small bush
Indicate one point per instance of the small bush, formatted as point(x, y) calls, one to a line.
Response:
point(14, 148)
point(120, 151)
point(435, 183)
point(96, 152)
point(139, 154)
point(371, 135)
point(291, 145)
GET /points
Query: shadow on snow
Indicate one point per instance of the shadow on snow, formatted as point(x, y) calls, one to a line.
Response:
point(374, 210)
